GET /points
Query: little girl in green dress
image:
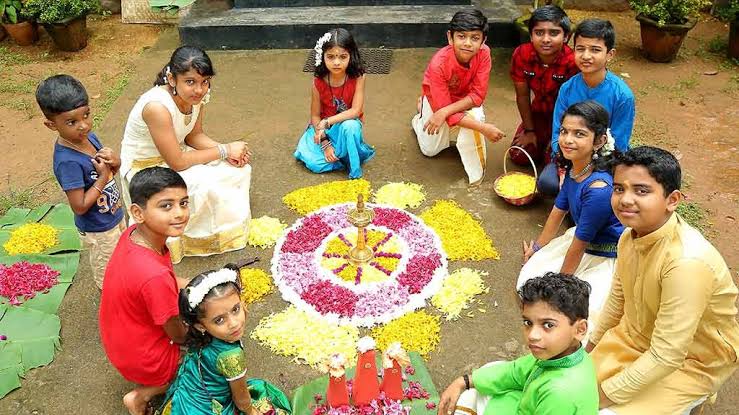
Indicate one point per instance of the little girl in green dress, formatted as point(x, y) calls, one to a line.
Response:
point(211, 379)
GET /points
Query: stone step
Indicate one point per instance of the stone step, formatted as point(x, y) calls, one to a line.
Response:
point(320, 3)
point(213, 24)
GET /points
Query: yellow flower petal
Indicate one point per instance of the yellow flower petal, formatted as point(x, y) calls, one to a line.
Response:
point(462, 236)
point(416, 332)
point(265, 231)
point(255, 284)
point(515, 185)
point(401, 195)
point(31, 238)
point(308, 199)
point(310, 340)
point(457, 292)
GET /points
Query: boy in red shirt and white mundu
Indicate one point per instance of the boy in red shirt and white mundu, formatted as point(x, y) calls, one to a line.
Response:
point(454, 87)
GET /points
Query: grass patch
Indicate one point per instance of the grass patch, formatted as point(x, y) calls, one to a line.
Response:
point(8, 86)
point(718, 45)
point(110, 96)
point(21, 105)
point(11, 58)
point(695, 215)
point(19, 198)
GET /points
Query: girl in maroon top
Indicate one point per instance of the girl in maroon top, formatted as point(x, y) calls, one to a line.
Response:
point(333, 139)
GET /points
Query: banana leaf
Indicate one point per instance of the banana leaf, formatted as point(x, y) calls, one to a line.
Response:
point(59, 216)
point(36, 332)
point(11, 368)
point(303, 396)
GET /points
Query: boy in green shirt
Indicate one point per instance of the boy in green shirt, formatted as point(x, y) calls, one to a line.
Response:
point(556, 378)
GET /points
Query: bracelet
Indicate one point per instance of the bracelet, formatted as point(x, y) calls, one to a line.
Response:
point(222, 152)
point(98, 189)
point(466, 381)
point(327, 123)
point(326, 145)
point(535, 246)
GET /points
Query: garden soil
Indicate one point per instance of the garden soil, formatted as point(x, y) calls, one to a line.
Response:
point(688, 106)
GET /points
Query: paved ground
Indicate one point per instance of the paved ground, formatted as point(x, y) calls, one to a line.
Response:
point(263, 97)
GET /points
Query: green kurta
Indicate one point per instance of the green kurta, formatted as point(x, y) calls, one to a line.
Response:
point(202, 384)
point(528, 386)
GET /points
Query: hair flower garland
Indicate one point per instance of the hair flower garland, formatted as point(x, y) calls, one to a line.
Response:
point(196, 294)
point(319, 47)
point(610, 144)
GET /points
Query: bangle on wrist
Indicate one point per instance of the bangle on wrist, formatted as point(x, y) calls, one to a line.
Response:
point(466, 379)
point(222, 151)
point(98, 189)
point(535, 246)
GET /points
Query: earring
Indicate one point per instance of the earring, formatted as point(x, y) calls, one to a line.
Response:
point(595, 156)
point(174, 90)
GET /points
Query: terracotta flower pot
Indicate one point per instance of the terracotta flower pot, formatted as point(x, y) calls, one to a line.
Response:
point(69, 35)
point(24, 33)
point(734, 39)
point(3, 33)
point(661, 44)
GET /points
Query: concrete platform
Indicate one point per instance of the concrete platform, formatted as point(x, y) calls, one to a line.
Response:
point(319, 3)
point(214, 24)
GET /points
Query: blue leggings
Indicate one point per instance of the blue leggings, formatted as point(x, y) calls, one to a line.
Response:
point(548, 183)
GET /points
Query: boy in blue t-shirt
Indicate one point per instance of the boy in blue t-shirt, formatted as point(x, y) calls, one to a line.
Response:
point(594, 48)
point(83, 168)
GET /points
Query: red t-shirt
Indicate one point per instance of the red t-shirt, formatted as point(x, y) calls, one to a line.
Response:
point(544, 80)
point(139, 296)
point(446, 81)
point(329, 94)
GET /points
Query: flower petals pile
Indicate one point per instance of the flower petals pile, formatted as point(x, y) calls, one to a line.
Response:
point(401, 195)
point(31, 238)
point(255, 284)
point(461, 235)
point(310, 340)
point(458, 291)
point(265, 231)
point(23, 280)
point(515, 185)
point(308, 199)
point(310, 266)
point(416, 332)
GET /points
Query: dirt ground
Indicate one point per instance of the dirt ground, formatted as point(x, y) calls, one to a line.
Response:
point(262, 97)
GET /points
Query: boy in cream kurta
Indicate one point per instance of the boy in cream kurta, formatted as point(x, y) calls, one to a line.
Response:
point(668, 335)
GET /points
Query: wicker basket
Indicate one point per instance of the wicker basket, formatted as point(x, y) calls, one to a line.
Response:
point(139, 11)
point(523, 200)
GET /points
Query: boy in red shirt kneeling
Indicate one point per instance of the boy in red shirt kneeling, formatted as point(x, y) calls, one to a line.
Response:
point(139, 318)
point(540, 67)
point(454, 87)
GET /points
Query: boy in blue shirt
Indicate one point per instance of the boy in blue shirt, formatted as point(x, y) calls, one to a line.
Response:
point(83, 168)
point(594, 48)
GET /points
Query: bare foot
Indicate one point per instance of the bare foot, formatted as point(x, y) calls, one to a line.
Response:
point(135, 403)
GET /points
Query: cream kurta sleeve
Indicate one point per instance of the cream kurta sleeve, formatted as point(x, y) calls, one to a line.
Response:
point(686, 289)
point(612, 311)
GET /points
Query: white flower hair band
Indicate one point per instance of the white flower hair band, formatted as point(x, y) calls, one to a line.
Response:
point(167, 71)
point(196, 294)
point(610, 144)
point(319, 47)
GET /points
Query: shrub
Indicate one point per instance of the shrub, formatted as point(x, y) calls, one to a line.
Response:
point(669, 11)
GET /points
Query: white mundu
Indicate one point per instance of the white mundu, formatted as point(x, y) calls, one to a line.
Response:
point(470, 143)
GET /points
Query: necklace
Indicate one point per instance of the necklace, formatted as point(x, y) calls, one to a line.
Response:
point(582, 172)
point(142, 241)
point(75, 146)
point(338, 102)
point(188, 115)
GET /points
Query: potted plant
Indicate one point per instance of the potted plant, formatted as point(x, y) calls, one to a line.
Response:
point(730, 12)
point(664, 25)
point(64, 20)
point(23, 31)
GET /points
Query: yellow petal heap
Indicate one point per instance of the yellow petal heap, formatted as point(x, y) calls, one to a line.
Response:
point(310, 340)
point(416, 332)
point(255, 284)
point(265, 231)
point(458, 290)
point(462, 236)
point(308, 199)
point(401, 195)
point(31, 238)
point(515, 185)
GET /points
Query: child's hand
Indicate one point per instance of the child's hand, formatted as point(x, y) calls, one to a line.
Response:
point(318, 136)
point(241, 162)
point(450, 396)
point(329, 154)
point(102, 168)
point(528, 251)
point(525, 139)
point(433, 125)
point(492, 132)
point(236, 150)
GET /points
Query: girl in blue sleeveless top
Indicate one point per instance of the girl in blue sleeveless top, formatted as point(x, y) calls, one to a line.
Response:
point(588, 250)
